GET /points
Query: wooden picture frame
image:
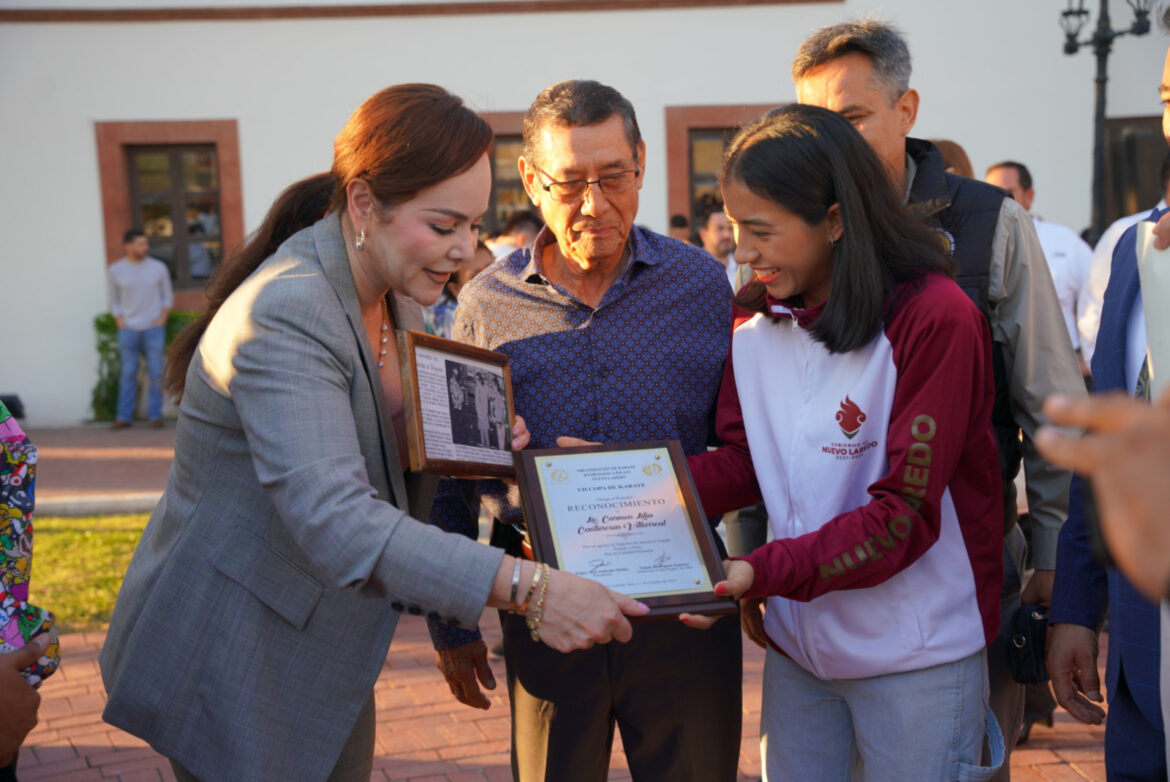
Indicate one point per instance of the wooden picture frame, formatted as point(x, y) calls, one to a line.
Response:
point(615, 513)
point(458, 404)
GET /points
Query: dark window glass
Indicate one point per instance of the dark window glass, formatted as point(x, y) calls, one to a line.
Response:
point(175, 192)
point(155, 219)
point(152, 172)
point(199, 170)
point(1134, 149)
point(705, 153)
point(507, 190)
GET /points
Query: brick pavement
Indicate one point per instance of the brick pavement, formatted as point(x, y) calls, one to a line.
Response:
point(423, 734)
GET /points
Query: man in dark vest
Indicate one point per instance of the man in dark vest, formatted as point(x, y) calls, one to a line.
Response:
point(861, 69)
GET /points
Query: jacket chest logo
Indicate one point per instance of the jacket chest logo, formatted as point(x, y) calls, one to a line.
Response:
point(850, 418)
point(946, 240)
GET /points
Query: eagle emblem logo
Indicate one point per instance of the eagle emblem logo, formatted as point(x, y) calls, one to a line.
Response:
point(850, 417)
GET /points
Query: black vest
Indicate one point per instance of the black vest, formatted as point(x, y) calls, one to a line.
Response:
point(966, 212)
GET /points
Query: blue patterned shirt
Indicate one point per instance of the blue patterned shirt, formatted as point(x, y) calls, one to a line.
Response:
point(439, 318)
point(645, 365)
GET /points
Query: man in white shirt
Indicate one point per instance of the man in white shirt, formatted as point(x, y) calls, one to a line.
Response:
point(140, 300)
point(1067, 254)
point(1093, 291)
point(719, 240)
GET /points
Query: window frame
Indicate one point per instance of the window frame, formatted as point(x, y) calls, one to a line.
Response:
point(503, 123)
point(1134, 150)
point(680, 121)
point(114, 139)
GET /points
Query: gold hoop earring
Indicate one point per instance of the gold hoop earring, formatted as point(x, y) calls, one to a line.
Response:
point(360, 241)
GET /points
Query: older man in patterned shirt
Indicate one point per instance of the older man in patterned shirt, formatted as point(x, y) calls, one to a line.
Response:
point(614, 334)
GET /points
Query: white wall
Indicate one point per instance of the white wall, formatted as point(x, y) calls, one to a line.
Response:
point(991, 74)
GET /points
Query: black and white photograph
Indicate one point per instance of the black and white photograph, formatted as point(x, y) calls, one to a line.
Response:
point(476, 401)
point(458, 407)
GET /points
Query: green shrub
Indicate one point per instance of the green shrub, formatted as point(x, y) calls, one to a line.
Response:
point(179, 320)
point(105, 391)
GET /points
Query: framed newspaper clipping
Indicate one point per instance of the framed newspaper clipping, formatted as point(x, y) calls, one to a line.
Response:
point(459, 410)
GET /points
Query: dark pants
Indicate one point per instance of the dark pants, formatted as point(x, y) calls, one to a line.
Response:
point(1135, 750)
point(675, 694)
point(1038, 701)
point(747, 529)
point(1006, 696)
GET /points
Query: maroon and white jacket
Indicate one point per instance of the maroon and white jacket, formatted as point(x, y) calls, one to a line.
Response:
point(881, 478)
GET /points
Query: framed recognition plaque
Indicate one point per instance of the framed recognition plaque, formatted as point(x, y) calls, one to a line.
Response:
point(627, 516)
point(458, 401)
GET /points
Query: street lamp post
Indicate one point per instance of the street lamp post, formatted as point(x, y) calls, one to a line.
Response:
point(1072, 21)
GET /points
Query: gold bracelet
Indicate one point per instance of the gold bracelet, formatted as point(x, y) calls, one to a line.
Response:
point(533, 620)
point(523, 607)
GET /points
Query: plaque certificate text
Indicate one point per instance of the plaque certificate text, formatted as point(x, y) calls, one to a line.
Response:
point(625, 516)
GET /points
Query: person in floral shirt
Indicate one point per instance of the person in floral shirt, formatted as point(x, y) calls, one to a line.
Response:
point(29, 651)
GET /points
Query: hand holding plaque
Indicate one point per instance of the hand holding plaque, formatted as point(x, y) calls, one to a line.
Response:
point(626, 516)
point(740, 577)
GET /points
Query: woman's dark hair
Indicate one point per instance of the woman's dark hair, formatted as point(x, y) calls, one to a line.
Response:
point(805, 159)
point(401, 141)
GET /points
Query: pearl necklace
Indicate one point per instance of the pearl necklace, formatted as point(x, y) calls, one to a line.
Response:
point(385, 336)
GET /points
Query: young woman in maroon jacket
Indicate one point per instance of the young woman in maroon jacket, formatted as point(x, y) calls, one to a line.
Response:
point(857, 402)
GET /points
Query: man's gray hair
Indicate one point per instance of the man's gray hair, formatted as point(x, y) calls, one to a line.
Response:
point(578, 103)
point(881, 42)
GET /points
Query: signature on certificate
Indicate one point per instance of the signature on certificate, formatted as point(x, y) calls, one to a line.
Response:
point(596, 565)
point(661, 559)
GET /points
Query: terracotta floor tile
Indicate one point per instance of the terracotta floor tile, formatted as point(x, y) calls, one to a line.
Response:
point(424, 733)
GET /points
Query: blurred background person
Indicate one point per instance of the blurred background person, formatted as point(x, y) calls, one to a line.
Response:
point(718, 240)
point(439, 318)
point(140, 300)
point(1093, 291)
point(1135, 732)
point(954, 158)
point(1067, 254)
point(1125, 452)
point(519, 230)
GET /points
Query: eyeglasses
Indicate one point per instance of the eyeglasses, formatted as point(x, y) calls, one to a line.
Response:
point(574, 189)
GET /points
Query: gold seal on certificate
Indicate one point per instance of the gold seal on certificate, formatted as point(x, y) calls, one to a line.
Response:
point(627, 516)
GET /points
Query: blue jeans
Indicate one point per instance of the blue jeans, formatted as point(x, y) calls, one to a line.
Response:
point(926, 725)
point(150, 342)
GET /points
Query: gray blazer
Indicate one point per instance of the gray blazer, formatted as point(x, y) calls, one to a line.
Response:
point(259, 606)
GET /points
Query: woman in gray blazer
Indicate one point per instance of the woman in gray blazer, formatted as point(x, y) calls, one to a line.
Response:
point(258, 609)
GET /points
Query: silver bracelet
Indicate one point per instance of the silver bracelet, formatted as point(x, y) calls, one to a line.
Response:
point(515, 586)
